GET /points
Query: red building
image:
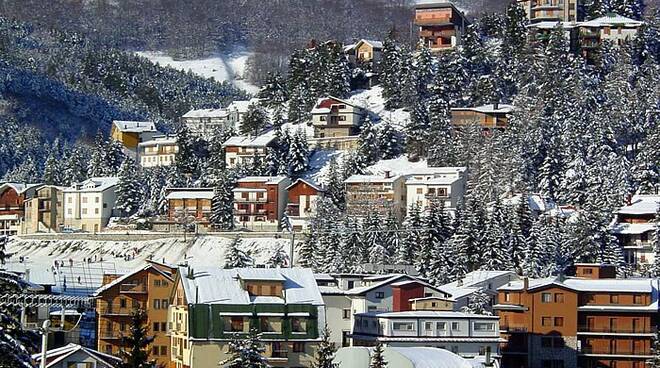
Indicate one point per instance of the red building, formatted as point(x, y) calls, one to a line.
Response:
point(301, 204)
point(12, 207)
point(259, 201)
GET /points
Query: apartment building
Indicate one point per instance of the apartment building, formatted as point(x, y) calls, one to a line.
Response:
point(492, 116)
point(243, 150)
point(464, 334)
point(283, 304)
point(614, 28)
point(382, 194)
point(44, 212)
point(188, 206)
point(634, 226)
point(131, 133)
point(440, 184)
point(260, 201)
point(587, 321)
point(301, 204)
point(147, 288)
point(477, 281)
point(333, 117)
point(88, 205)
point(158, 151)
point(553, 10)
point(440, 25)
point(206, 122)
point(12, 206)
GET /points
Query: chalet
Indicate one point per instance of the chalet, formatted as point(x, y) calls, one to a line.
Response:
point(88, 205)
point(12, 206)
point(206, 122)
point(159, 151)
point(440, 25)
point(131, 133)
point(189, 205)
point(44, 212)
point(260, 201)
point(301, 204)
point(634, 226)
point(383, 194)
point(493, 116)
point(243, 150)
point(333, 117)
point(210, 306)
point(613, 27)
point(365, 51)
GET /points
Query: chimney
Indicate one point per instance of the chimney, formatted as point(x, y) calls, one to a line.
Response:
point(525, 283)
point(496, 105)
point(488, 361)
point(388, 174)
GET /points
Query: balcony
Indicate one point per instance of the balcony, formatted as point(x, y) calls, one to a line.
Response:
point(136, 288)
point(610, 351)
point(616, 330)
point(513, 328)
point(247, 200)
point(432, 21)
point(110, 335)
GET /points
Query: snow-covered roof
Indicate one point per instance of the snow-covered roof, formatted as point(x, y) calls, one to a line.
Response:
point(611, 20)
point(487, 109)
point(20, 188)
point(261, 179)
point(214, 285)
point(206, 113)
point(425, 314)
point(641, 205)
point(593, 285)
point(535, 201)
point(134, 126)
point(357, 179)
point(372, 43)
point(159, 139)
point(127, 275)
point(323, 110)
point(323, 277)
point(433, 181)
point(256, 274)
point(190, 193)
point(635, 229)
point(55, 357)
point(402, 357)
point(241, 106)
point(477, 277)
point(249, 141)
point(306, 181)
point(32, 273)
point(553, 25)
point(95, 184)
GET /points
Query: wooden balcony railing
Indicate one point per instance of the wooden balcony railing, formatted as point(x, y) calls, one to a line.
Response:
point(135, 288)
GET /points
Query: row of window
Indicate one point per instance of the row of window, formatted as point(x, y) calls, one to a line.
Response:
point(266, 324)
point(161, 283)
point(159, 350)
point(552, 321)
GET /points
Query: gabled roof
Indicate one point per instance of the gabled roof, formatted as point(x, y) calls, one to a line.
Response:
point(322, 110)
point(134, 126)
point(261, 179)
point(249, 141)
point(122, 278)
point(641, 205)
point(366, 179)
point(241, 106)
point(55, 356)
point(20, 188)
point(206, 113)
point(487, 109)
point(374, 44)
point(306, 181)
point(160, 139)
point(588, 285)
point(611, 20)
point(95, 184)
point(426, 314)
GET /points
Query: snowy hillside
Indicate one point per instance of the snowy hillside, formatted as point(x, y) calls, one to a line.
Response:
point(373, 101)
point(230, 67)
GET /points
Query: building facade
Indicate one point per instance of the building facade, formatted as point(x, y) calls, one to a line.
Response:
point(76, 356)
point(552, 10)
point(634, 226)
point(376, 194)
point(12, 206)
point(260, 201)
point(44, 212)
point(191, 206)
point(88, 205)
point(440, 25)
point(131, 133)
point(237, 110)
point(578, 321)
point(333, 117)
point(148, 289)
point(614, 28)
point(159, 151)
point(283, 304)
point(244, 150)
point(206, 122)
point(493, 116)
point(301, 204)
point(441, 184)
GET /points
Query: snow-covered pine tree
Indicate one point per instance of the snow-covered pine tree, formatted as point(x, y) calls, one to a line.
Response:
point(222, 204)
point(411, 241)
point(335, 190)
point(52, 170)
point(255, 120)
point(535, 257)
point(97, 164)
point(424, 72)
point(325, 354)
point(235, 257)
point(279, 259)
point(298, 158)
point(75, 165)
point(353, 164)
point(134, 352)
point(436, 229)
point(417, 132)
point(186, 161)
point(284, 141)
point(389, 144)
point(654, 362)
point(246, 352)
point(377, 358)
point(13, 339)
point(390, 72)
point(498, 255)
point(338, 72)
point(368, 142)
point(113, 157)
point(478, 303)
point(273, 94)
point(129, 189)
point(306, 252)
point(655, 267)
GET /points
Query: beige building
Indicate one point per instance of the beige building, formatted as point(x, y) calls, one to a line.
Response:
point(89, 205)
point(44, 212)
point(206, 122)
point(446, 184)
point(333, 117)
point(159, 151)
point(551, 10)
point(243, 150)
point(376, 194)
point(612, 27)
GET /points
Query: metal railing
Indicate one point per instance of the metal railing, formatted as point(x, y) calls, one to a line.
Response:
point(609, 329)
point(610, 351)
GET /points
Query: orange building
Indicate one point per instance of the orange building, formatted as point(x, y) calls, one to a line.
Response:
point(147, 288)
point(441, 25)
point(588, 321)
point(493, 116)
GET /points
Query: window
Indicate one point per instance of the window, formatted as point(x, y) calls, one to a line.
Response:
point(482, 326)
point(163, 326)
point(271, 324)
point(84, 211)
point(380, 295)
point(455, 326)
point(441, 326)
point(546, 298)
point(342, 118)
point(298, 347)
point(428, 326)
point(637, 299)
point(614, 299)
point(84, 199)
point(403, 326)
point(559, 321)
point(154, 350)
point(163, 350)
point(346, 313)
point(122, 326)
point(434, 304)
point(108, 349)
point(96, 211)
point(156, 282)
point(419, 191)
point(156, 303)
point(298, 325)
point(588, 271)
point(69, 212)
point(322, 117)
point(559, 297)
point(122, 303)
point(233, 324)
point(507, 297)
point(96, 199)
point(164, 303)
point(156, 326)
point(546, 321)
point(164, 283)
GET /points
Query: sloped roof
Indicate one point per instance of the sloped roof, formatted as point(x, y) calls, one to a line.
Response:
point(190, 193)
point(487, 109)
point(641, 205)
point(306, 181)
point(612, 20)
point(18, 187)
point(356, 179)
point(636, 229)
point(125, 276)
point(249, 141)
point(214, 285)
point(94, 184)
point(206, 113)
point(134, 126)
point(55, 356)
point(261, 179)
point(401, 357)
point(426, 314)
point(372, 43)
point(598, 285)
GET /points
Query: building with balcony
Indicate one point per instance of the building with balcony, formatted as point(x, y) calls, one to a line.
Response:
point(88, 205)
point(614, 28)
point(205, 123)
point(210, 306)
point(131, 133)
point(147, 288)
point(159, 151)
point(634, 226)
point(440, 25)
point(382, 194)
point(301, 203)
point(441, 184)
point(553, 10)
point(244, 150)
point(260, 201)
point(187, 206)
point(493, 116)
point(477, 281)
point(334, 118)
point(12, 206)
point(587, 321)
point(44, 212)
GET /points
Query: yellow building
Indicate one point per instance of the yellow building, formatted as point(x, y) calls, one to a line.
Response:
point(44, 212)
point(131, 133)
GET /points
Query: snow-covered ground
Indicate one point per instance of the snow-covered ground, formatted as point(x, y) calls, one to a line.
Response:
point(230, 67)
point(373, 101)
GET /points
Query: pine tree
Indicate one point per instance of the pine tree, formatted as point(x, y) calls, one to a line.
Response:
point(97, 165)
point(390, 72)
point(478, 303)
point(279, 259)
point(186, 162)
point(255, 120)
point(368, 142)
point(417, 132)
point(498, 252)
point(129, 189)
point(298, 158)
point(113, 157)
point(655, 268)
point(306, 252)
point(222, 204)
point(14, 341)
point(339, 73)
point(246, 352)
point(377, 358)
point(389, 144)
point(235, 257)
point(134, 352)
point(409, 249)
point(335, 189)
point(325, 354)
point(273, 93)
point(52, 171)
point(535, 257)
point(75, 165)
point(654, 362)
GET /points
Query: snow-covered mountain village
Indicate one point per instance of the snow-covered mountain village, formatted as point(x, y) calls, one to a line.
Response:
point(330, 184)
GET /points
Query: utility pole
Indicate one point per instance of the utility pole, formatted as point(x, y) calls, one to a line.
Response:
point(44, 342)
point(293, 245)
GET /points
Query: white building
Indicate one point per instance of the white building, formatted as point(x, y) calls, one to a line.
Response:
point(415, 357)
point(206, 122)
point(89, 205)
point(468, 335)
point(612, 27)
point(242, 150)
point(334, 117)
point(486, 281)
point(159, 151)
point(634, 226)
point(446, 184)
point(236, 112)
point(76, 356)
